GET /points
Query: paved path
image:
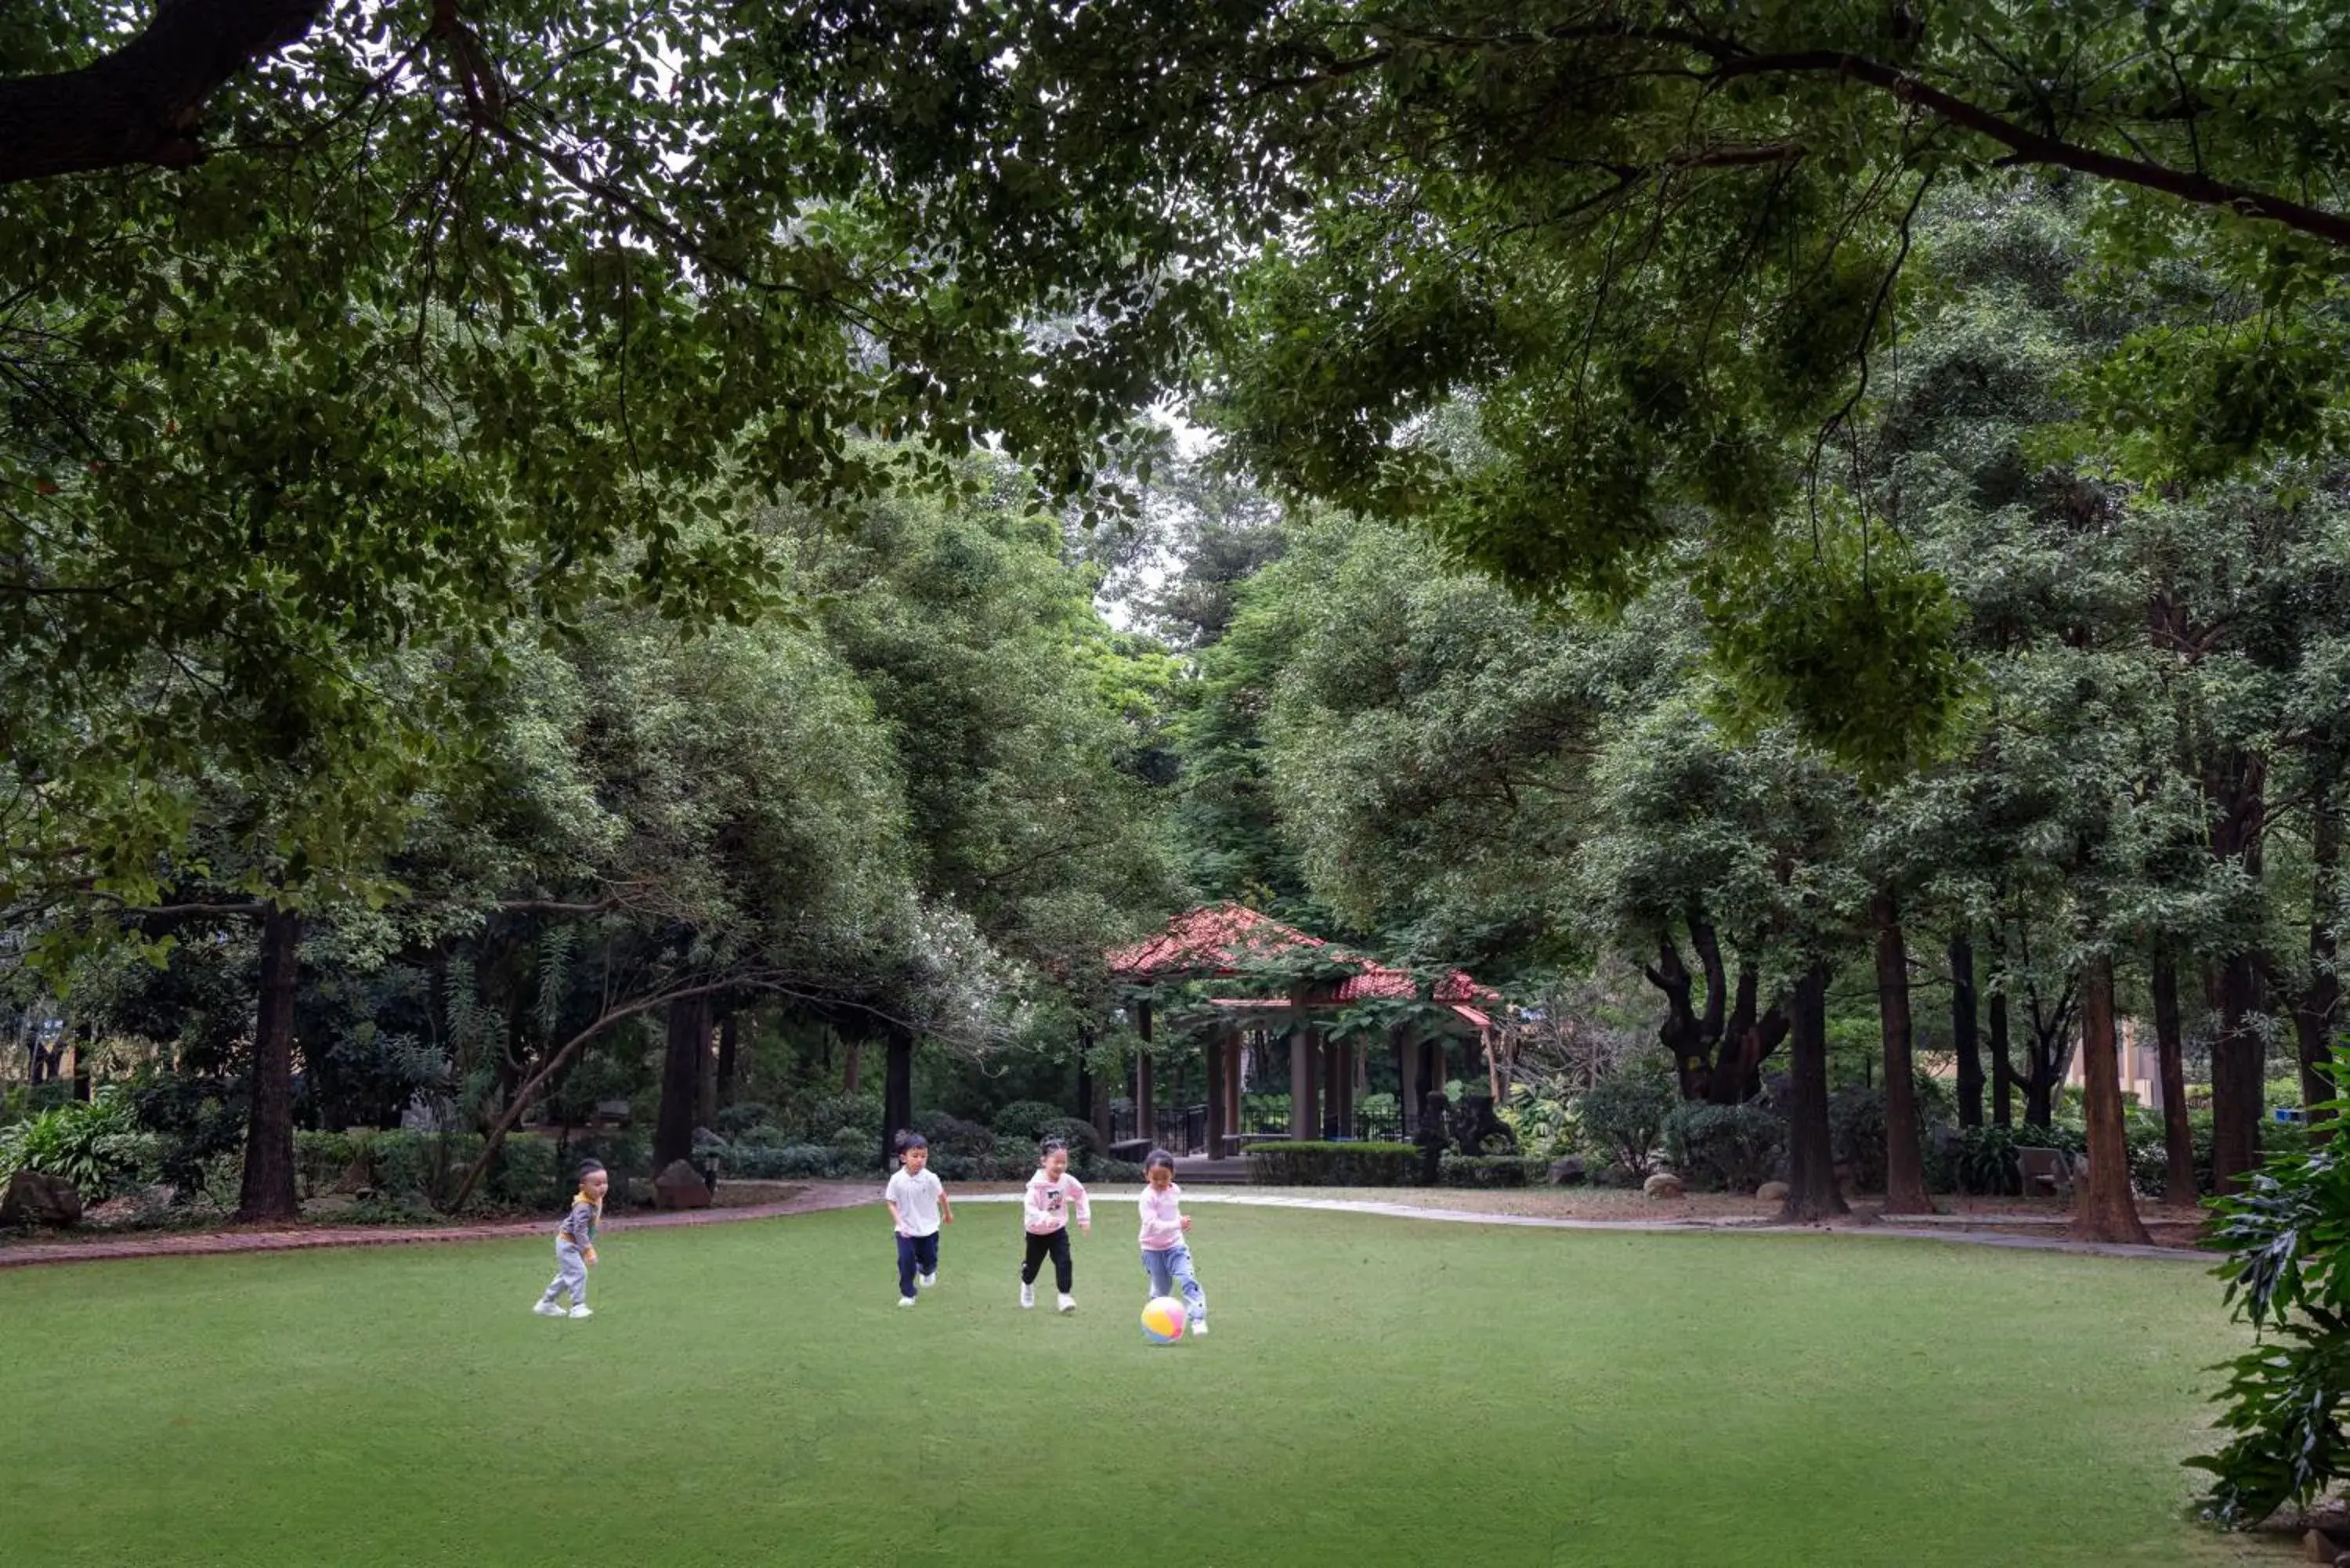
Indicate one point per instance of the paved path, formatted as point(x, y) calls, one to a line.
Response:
point(853, 1194)
point(297, 1239)
point(1762, 1226)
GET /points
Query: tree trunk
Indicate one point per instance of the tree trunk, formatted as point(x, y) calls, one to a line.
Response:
point(2315, 1017)
point(2236, 785)
point(851, 1051)
point(1812, 1191)
point(81, 1084)
point(705, 1085)
point(2238, 1073)
point(2103, 1210)
point(729, 1044)
point(2002, 1066)
point(141, 103)
point(897, 1091)
point(1904, 1165)
point(268, 1193)
point(1085, 1109)
point(1964, 1039)
point(2170, 1051)
point(689, 1045)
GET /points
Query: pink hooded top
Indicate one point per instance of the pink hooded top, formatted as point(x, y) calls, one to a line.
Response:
point(1162, 1219)
point(1048, 1204)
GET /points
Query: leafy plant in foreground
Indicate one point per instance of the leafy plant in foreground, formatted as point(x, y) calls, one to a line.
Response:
point(2288, 1274)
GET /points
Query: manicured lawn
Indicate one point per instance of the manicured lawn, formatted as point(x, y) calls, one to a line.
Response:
point(1374, 1391)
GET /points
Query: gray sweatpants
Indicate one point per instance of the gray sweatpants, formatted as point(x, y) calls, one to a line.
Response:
point(570, 1275)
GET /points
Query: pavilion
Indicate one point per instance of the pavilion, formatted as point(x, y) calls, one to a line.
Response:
point(1229, 942)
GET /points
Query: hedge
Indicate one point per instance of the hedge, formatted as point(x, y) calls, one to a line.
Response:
point(1494, 1170)
point(1305, 1164)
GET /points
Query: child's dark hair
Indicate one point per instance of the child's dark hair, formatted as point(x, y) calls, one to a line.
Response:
point(1156, 1157)
point(907, 1140)
point(1051, 1145)
point(589, 1167)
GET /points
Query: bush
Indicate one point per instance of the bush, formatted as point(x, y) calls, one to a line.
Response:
point(321, 1158)
point(735, 1122)
point(95, 1144)
point(1623, 1115)
point(946, 1132)
point(1024, 1121)
point(1857, 1136)
point(1735, 1147)
point(780, 1164)
point(829, 1114)
point(1305, 1164)
point(2288, 1269)
point(527, 1174)
point(1494, 1170)
point(1116, 1170)
point(1075, 1131)
point(1543, 1116)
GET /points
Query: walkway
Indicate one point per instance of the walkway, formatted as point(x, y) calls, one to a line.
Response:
point(820, 1197)
point(1760, 1226)
point(299, 1238)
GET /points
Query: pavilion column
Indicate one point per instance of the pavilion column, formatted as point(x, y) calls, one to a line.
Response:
point(1145, 1119)
point(1348, 1068)
point(1234, 1081)
point(1409, 1061)
point(1219, 1043)
point(1304, 1078)
point(1334, 1069)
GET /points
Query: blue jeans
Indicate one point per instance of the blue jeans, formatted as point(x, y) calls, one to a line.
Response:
point(916, 1255)
point(1171, 1273)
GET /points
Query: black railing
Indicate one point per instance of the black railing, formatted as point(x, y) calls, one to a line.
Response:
point(1183, 1130)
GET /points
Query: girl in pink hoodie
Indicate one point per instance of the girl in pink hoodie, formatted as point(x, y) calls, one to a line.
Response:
point(1166, 1257)
point(1053, 1195)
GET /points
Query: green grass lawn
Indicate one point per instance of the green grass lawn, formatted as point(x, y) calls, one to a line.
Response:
point(1374, 1391)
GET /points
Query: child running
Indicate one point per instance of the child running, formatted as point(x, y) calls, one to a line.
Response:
point(574, 1245)
point(1165, 1254)
point(1052, 1196)
point(918, 1207)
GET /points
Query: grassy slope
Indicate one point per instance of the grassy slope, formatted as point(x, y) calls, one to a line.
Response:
point(1376, 1391)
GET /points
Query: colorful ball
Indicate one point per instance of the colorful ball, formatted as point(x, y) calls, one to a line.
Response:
point(1163, 1320)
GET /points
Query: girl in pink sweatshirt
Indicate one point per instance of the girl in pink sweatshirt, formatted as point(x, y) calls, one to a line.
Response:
point(1165, 1255)
point(1052, 1196)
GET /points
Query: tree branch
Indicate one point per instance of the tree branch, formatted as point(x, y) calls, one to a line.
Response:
point(141, 103)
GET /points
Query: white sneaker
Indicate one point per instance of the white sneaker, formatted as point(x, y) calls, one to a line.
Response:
point(1067, 1301)
point(1200, 1328)
point(924, 1282)
point(547, 1309)
point(1028, 1294)
point(905, 1301)
point(581, 1312)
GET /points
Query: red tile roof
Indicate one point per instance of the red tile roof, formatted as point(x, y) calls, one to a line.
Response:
point(1213, 940)
point(1380, 980)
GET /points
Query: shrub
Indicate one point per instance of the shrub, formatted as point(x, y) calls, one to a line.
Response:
point(2288, 1273)
point(321, 1158)
point(1856, 1135)
point(1116, 1170)
point(1494, 1170)
point(95, 1144)
point(1075, 1131)
point(1735, 1148)
point(527, 1174)
point(1623, 1115)
point(829, 1114)
point(1024, 1121)
point(946, 1132)
point(1543, 1116)
point(1305, 1164)
point(735, 1122)
point(751, 1163)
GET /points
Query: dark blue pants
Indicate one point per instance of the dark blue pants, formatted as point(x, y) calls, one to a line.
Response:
point(916, 1255)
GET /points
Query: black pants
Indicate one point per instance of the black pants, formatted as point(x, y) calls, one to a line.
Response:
point(1057, 1244)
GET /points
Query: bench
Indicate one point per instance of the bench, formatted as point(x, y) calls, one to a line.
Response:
point(2061, 1172)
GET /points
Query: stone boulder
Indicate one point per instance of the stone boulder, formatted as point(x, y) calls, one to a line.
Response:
point(1568, 1172)
point(681, 1187)
point(1663, 1186)
point(1771, 1192)
point(32, 1199)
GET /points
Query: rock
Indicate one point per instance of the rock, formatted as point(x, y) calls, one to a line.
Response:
point(32, 1199)
point(2319, 1546)
point(144, 1207)
point(681, 1187)
point(1771, 1192)
point(1663, 1186)
point(704, 1138)
point(1568, 1172)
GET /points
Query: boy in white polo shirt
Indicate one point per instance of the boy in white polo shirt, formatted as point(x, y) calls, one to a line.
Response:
point(918, 1207)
